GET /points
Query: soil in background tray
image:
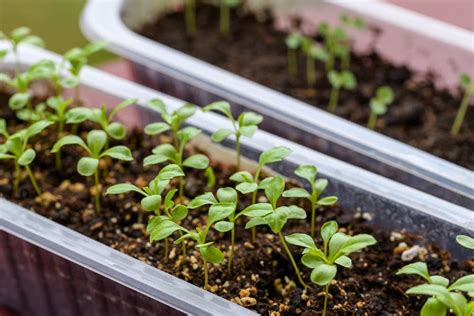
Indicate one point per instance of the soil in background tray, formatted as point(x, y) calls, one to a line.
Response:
point(263, 279)
point(420, 116)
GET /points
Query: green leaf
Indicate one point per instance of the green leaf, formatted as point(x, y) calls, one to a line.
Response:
point(274, 189)
point(248, 131)
point(418, 268)
point(295, 212)
point(78, 115)
point(69, 140)
point(156, 128)
point(221, 134)
point(335, 79)
point(242, 176)
point(294, 40)
point(344, 261)
point(277, 219)
point(6, 156)
point(465, 283)
point(301, 240)
point(94, 47)
point(188, 133)
point(220, 106)
point(69, 82)
point(27, 157)
point(169, 198)
point(169, 172)
point(20, 33)
point(264, 183)
point(385, 95)
point(5, 78)
point(122, 105)
point(166, 150)
point(203, 199)
point(163, 230)
point(151, 203)
point(158, 105)
point(198, 161)
point(273, 155)
point(323, 274)
point(118, 152)
point(313, 258)
point(358, 242)
point(227, 195)
point(378, 107)
point(249, 119)
point(211, 178)
point(154, 159)
point(465, 241)
point(296, 193)
point(123, 188)
point(96, 140)
point(212, 254)
point(18, 100)
point(307, 172)
point(179, 212)
point(116, 130)
point(328, 230)
point(258, 210)
point(336, 243)
point(429, 289)
point(37, 128)
point(220, 211)
point(320, 185)
point(33, 40)
point(433, 307)
point(224, 226)
point(87, 166)
point(185, 111)
point(329, 200)
point(247, 187)
point(256, 221)
point(349, 81)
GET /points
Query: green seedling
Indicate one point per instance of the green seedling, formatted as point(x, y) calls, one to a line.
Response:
point(312, 52)
point(344, 52)
point(95, 149)
point(246, 125)
point(442, 296)
point(152, 199)
point(190, 16)
point(465, 241)
point(21, 83)
point(20, 35)
point(77, 58)
point(334, 38)
point(293, 43)
point(275, 216)
point(336, 250)
point(339, 80)
point(211, 178)
point(226, 203)
point(317, 187)
point(163, 227)
point(468, 86)
point(16, 148)
point(250, 184)
point(384, 96)
point(54, 72)
point(116, 130)
point(225, 7)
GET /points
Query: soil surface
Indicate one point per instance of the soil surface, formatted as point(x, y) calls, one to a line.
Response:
point(421, 115)
point(262, 278)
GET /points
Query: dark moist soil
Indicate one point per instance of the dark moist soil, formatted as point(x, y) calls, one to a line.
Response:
point(262, 279)
point(421, 115)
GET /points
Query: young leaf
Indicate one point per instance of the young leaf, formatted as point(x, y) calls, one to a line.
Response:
point(328, 230)
point(124, 188)
point(201, 200)
point(220, 106)
point(296, 193)
point(163, 230)
point(224, 226)
point(198, 161)
point(330, 200)
point(301, 240)
point(151, 203)
point(69, 140)
point(156, 128)
point(87, 166)
point(118, 152)
point(323, 274)
point(274, 155)
point(307, 172)
point(212, 254)
point(465, 241)
point(27, 157)
point(221, 134)
point(419, 268)
point(169, 172)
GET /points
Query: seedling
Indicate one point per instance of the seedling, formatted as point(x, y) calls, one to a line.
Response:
point(95, 149)
point(339, 80)
point(275, 216)
point(116, 130)
point(225, 203)
point(246, 125)
point(442, 295)
point(379, 104)
point(357, 23)
point(16, 148)
point(336, 250)
point(312, 52)
point(78, 58)
point(465, 241)
point(317, 187)
point(293, 43)
point(334, 38)
point(152, 200)
point(190, 16)
point(250, 184)
point(225, 7)
point(54, 72)
point(163, 227)
point(21, 35)
point(468, 86)
point(211, 178)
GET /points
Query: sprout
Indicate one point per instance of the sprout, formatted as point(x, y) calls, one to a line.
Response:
point(225, 6)
point(190, 16)
point(116, 130)
point(338, 80)
point(465, 241)
point(95, 148)
point(21, 83)
point(468, 86)
point(250, 184)
point(78, 58)
point(312, 52)
point(442, 295)
point(152, 200)
point(275, 216)
point(20, 35)
point(246, 125)
point(317, 187)
point(378, 104)
point(293, 42)
point(336, 249)
point(343, 51)
point(53, 72)
point(334, 38)
point(15, 148)
point(211, 178)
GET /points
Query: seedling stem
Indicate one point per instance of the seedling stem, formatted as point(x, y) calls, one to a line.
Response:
point(461, 114)
point(190, 16)
point(293, 262)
